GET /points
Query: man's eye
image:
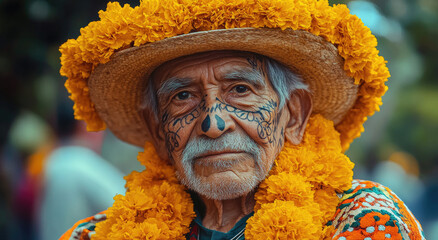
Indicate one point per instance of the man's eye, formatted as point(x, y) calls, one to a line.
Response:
point(182, 95)
point(240, 88)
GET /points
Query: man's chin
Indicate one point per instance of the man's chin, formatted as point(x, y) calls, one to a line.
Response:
point(224, 193)
point(221, 189)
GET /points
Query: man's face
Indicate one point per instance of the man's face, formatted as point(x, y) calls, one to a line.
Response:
point(220, 121)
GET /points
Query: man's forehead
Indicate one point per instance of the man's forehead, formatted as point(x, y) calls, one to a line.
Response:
point(246, 59)
point(211, 55)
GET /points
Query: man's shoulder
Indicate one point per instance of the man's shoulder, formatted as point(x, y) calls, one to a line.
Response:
point(369, 210)
point(84, 228)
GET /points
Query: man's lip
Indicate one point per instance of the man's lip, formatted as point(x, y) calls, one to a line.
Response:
point(210, 154)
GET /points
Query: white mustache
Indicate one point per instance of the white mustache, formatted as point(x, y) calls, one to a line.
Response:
point(230, 142)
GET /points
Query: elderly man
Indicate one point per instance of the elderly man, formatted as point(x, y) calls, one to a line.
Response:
point(222, 122)
point(246, 109)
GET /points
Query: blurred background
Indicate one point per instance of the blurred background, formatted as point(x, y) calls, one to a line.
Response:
point(39, 138)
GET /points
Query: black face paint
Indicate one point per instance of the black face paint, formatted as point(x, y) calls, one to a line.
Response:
point(280, 142)
point(256, 64)
point(220, 123)
point(266, 118)
point(172, 127)
point(252, 61)
point(206, 124)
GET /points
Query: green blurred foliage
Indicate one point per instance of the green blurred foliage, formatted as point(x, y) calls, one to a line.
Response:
point(31, 32)
point(414, 126)
point(408, 121)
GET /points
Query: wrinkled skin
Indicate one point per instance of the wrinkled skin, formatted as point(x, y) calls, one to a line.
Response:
point(206, 103)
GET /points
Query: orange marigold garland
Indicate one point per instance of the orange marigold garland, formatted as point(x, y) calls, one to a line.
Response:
point(123, 27)
point(155, 206)
point(294, 202)
point(305, 177)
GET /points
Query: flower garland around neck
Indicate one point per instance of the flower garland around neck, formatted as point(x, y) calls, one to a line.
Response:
point(295, 201)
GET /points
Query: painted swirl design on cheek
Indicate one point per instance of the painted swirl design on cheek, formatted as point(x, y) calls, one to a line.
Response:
point(171, 127)
point(266, 117)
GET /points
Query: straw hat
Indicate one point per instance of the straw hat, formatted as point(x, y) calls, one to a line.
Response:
point(345, 86)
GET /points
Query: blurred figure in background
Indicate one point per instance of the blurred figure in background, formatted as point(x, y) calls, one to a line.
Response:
point(58, 168)
point(400, 173)
point(72, 170)
point(28, 134)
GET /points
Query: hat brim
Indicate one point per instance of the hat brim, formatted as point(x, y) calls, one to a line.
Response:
point(117, 87)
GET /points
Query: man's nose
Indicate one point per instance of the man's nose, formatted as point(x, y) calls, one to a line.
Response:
point(215, 120)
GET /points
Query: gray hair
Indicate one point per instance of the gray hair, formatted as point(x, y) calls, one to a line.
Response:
point(283, 80)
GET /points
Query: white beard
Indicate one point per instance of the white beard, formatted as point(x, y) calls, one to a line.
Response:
point(220, 190)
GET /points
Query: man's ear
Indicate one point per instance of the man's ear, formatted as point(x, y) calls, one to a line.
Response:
point(300, 107)
point(155, 132)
